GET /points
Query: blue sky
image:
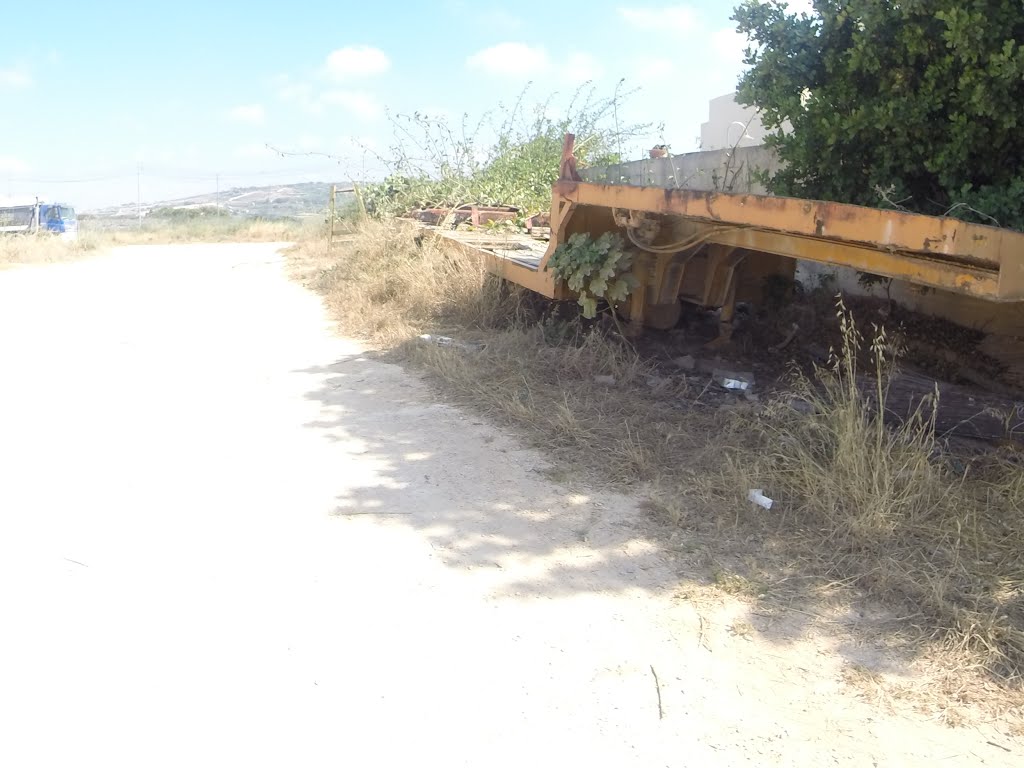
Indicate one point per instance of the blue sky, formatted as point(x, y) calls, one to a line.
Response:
point(191, 90)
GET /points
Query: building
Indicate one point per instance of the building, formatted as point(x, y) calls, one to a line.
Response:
point(731, 125)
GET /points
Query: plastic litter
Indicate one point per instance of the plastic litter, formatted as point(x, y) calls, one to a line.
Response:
point(739, 381)
point(447, 341)
point(734, 384)
point(757, 496)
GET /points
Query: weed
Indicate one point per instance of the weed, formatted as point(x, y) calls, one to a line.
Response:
point(880, 505)
point(42, 249)
point(434, 163)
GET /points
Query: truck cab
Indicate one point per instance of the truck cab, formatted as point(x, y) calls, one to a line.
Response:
point(60, 219)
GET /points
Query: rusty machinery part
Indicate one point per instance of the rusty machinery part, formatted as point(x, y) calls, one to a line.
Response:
point(660, 317)
point(567, 170)
point(642, 228)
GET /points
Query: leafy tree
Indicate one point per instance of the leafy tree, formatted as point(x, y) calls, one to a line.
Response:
point(913, 103)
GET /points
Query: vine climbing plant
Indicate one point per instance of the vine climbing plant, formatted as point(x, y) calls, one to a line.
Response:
point(595, 269)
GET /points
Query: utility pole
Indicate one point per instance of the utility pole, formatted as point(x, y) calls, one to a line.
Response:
point(334, 197)
point(138, 194)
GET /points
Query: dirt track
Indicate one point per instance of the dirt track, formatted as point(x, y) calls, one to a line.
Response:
point(228, 538)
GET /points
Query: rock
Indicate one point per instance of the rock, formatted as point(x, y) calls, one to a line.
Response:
point(818, 352)
point(685, 363)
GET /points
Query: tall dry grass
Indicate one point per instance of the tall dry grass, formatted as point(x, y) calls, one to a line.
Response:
point(213, 229)
point(43, 249)
point(889, 507)
point(387, 283)
point(47, 249)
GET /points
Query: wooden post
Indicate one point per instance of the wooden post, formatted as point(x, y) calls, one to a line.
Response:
point(334, 197)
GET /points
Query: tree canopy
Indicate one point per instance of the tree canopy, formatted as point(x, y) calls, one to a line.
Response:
point(917, 104)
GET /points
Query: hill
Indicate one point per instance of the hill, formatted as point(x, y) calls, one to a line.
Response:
point(270, 202)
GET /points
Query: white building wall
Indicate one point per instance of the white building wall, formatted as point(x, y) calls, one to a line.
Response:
point(725, 126)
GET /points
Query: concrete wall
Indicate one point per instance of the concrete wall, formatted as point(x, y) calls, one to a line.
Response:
point(726, 170)
point(988, 316)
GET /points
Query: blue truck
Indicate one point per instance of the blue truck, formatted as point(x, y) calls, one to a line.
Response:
point(37, 217)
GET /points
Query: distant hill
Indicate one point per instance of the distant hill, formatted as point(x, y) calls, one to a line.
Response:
point(271, 202)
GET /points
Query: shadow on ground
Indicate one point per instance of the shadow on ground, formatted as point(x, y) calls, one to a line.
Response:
point(488, 505)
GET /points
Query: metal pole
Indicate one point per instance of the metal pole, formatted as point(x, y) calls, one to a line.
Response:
point(138, 194)
point(359, 198)
point(334, 196)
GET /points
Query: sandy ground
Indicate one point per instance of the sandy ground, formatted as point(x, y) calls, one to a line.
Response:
point(229, 538)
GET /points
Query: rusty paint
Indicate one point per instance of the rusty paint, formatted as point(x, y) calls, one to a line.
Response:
point(984, 246)
point(914, 269)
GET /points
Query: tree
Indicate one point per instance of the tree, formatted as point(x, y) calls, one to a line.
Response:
point(913, 103)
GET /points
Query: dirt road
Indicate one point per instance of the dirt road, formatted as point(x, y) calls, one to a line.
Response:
point(227, 538)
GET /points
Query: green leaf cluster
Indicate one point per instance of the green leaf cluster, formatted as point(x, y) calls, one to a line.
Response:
point(595, 269)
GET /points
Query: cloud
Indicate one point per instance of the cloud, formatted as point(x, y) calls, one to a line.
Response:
point(248, 113)
point(15, 77)
point(672, 18)
point(11, 164)
point(581, 67)
point(359, 103)
point(510, 60)
point(356, 61)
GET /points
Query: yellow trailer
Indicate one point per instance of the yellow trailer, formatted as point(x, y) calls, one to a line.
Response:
point(713, 249)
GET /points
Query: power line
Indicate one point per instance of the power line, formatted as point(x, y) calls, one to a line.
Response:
point(189, 177)
point(92, 180)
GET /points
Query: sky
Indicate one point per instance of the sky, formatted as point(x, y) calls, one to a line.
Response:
point(111, 100)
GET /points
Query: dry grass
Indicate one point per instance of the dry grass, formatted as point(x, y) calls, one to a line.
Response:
point(886, 507)
point(389, 285)
point(28, 249)
point(44, 249)
point(566, 384)
point(204, 230)
point(857, 503)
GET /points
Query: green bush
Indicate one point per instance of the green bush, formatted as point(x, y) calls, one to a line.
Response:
point(435, 164)
point(918, 104)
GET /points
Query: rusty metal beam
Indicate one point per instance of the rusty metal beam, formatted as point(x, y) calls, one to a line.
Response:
point(972, 244)
point(936, 274)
